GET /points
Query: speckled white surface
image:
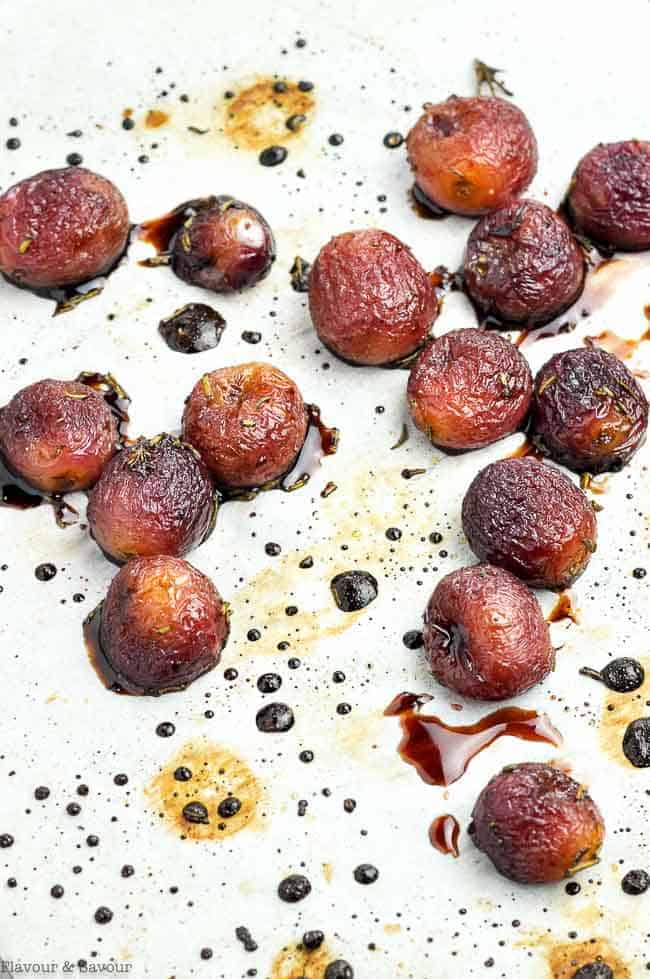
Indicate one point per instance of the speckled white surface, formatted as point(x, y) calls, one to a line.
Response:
point(577, 73)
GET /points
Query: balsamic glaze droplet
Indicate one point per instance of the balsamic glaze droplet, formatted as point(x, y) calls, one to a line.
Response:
point(103, 915)
point(45, 572)
point(299, 273)
point(594, 970)
point(274, 718)
point(413, 639)
point(339, 969)
point(165, 729)
point(393, 140)
point(41, 792)
point(196, 812)
point(365, 873)
point(294, 888)
point(354, 590)
point(623, 674)
point(636, 742)
point(273, 155)
point(636, 882)
point(251, 336)
point(229, 807)
point(182, 774)
point(312, 940)
point(192, 329)
point(245, 937)
point(269, 682)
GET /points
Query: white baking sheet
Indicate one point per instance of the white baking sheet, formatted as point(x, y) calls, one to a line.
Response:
point(577, 71)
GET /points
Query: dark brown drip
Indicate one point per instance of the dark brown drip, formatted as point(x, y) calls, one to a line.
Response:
point(160, 231)
point(443, 834)
point(103, 669)
point(441, 752)
point(113, 394)
point(527, 448)
point(563, 609)
point(424, 207)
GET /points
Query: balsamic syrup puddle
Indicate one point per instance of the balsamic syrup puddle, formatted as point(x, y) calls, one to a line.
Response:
point(443, 834)
point(17, 494)
point(441, 752)
point(160, 231)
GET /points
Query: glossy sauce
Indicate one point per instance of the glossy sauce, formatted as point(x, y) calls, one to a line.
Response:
point(441, 752)
point(113, 394)
point(160, 231)
point(443, 834)
point(424, 207)
point(527, 448)
point(320, 441)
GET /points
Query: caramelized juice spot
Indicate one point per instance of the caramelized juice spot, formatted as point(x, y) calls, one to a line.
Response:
point(257, 116)
point(216, 773)
point(296, 962)
point(155, 118)
point(563, 609)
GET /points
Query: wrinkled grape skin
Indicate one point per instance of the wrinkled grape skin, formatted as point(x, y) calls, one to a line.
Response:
point(225, 247)
point(154, 497)
point(529, 518)
point(71, 223)
point(495, 641)
point(472, 155)
point(589, 412)
point(536, 824)
point(57, 435)
point(609, 195)
point(469, 388)
point(163, 624)
point(370, 300)
point(523, 265)
point(248, 422)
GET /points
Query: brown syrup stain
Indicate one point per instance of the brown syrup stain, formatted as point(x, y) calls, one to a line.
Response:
point(621, 347)
point(619, 710)
point(527, 448)
point(441, 752)
point(296, 962)
point(257, 116)
point(563, 609)
point(155, 118)
point(592, 484)
point(566, 958)
point(216, 772)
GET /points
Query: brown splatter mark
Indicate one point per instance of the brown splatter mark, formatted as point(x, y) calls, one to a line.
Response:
point(215, 773)
point(563, 609)
point(566, 958)
point(621, 347)
point(155, 118)
point(296, 962)
point(127, 113)
point(619, 709)
point(257, 116)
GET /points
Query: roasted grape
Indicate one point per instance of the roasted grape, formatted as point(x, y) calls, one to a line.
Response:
point(485, 635)
point(472, 155)
point(370, 300)
point(469, 388)
point(536, 824)
point(529, 518)
point(154, 497)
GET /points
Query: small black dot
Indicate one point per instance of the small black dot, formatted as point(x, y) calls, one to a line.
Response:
point(294, 888)
point(128, 123)
point(103, 915)
point(349, 805)
point(313, 940)
point(206, 953)
point(73, 809)
point(127, 870)
point(306, 756)
point(196, 812)
point(636, 882)
point(229, 807)
point(335, 139)
point(182, 774)
point(393, 140)
point(74, 159)
point(365, 873)
point(253, 635)
point(272, 549)
point(307, 562)
point(305, 86)
point(92, 840)
point(13, 143)
point(639, 573)
point(338, 676)
point(45, 572)
point(41, 792)
point(57, 891)
point(273, 155)
point(120, 779)
point(343, 708)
